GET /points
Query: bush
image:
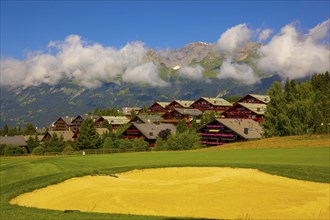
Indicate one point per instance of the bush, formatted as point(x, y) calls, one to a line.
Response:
point(2, 149)
point(140, 144)
point(68, 149)
point(14, 150)
point(38, 151)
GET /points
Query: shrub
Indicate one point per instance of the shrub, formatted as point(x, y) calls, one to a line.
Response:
point(140, 144)
point(68, 149)
point(38, 151)
point(14, 150)
point(2, 149)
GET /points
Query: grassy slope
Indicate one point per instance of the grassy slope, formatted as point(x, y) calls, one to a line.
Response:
point(20, 175)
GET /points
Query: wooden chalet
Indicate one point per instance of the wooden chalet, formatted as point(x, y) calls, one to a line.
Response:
point(247, 111)
point(77, 121)
point(158, 107)
point(17, 140)
point(127, 111)
point(147, 131)
point(67, 135)
point(114, 121)
point(173, 116)
point(62, 124)
point(256, 99)
point(179, 104)
point(211, 104)
point(144, 119)
point(225, 130)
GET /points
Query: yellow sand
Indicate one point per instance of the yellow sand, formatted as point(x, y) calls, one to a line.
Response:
point(191, 191)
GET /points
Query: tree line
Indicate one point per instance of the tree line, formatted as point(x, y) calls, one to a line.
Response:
point(299, 108)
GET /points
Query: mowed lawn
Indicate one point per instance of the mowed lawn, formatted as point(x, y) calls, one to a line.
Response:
point(24, 174)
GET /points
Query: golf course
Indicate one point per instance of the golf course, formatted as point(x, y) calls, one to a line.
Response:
point(288, 169)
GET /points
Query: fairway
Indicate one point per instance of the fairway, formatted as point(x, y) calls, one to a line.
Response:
point(208, 192)
point(22, 175)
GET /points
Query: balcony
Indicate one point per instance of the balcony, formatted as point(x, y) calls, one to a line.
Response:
point(216, 135)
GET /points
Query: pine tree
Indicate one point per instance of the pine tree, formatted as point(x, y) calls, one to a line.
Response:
point(181, 126)
point(88, 138)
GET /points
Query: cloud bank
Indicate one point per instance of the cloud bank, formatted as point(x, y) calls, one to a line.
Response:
point(289, 54)
point(88, 64)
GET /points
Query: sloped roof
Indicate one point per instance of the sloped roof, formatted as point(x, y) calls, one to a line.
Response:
point(254, 130)
point(163, 104)
point(67, 135)
point(102, 131)
point(184, 103)
point(128, 110)
point(147, 118)
point(259, 109)
point(189, 111)
point(40, 137)
point(217, 101)
point(67, 120)
point(263, 98)
point(116, 120)
point(151, 131)
point(15, 140)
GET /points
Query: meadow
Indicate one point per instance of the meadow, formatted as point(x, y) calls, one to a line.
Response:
point(24, 174)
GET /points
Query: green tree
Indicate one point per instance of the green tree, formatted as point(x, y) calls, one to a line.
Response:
point(32, 142)
point(29, 129)
point(54, 144)
point(4, 130)
point(139, 145)
point(133, 113)
point(88, 138)
point(181, 126)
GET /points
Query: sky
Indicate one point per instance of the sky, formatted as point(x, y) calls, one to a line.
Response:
point(93, 42)
point(30, 25)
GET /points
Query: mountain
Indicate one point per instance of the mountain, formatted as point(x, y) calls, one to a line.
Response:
point(43, 104)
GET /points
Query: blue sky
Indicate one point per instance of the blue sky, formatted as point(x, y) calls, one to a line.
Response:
point(30, 25)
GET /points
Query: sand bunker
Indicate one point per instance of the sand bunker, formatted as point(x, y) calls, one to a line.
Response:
point(191, 191)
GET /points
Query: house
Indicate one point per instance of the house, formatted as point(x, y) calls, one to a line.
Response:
point(62, 124)
point(14, 140)
point(247, 111)
point(213, 104)
point(147, 131)
point(158, 107)
point(67, 135)
point(102, 131)
point(127, 111)
point(179, 104)
point(256, 99)
point(39, 137)
point(143, 119)
point(226, 130)
point(114, 121)
point(174, 115)
point(77, 121)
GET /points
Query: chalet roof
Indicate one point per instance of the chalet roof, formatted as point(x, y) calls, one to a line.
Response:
point(102, 131)
point(40, 137)
point(67, 135)
point(189, 111)
point(116, 120)
point(259, 109)
point(15, 140)
point(151, 131)
point(263, 98)
point(66, 119)
point(162, 104)
point(247, 128)
point(184, 103)
point(217, 101)
point(147, 118)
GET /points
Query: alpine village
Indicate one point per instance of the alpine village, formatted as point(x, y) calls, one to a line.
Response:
point(174, 125)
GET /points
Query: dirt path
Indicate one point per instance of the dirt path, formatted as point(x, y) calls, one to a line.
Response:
point(191, 191)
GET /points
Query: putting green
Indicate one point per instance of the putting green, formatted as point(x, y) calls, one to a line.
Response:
point(208, 192)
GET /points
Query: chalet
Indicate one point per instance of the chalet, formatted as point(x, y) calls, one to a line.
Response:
point(39, 137)
point(179, 104)
point(144, 119)
point(62, 124)
point(212, 104)
point(225, 130)
point(67, 135)
point(14, 140)
point(77, 121)
point(127, 111)
point(147, 131)
point(176, 114)
point(247, 111)
point(114, 121)
point(256, 99)
point(158, 107)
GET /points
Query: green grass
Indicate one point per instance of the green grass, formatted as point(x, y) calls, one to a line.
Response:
point(19, 175)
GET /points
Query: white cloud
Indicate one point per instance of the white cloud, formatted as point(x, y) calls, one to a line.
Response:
point(194, 72)
point(264, 34)
point(237, 71)
point(234, 38)
point(293, 55)
point(88, 64)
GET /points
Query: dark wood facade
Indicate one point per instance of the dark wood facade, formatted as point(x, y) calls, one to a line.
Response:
point(62, 124)
point(211, 104)
point(255, 99)
point(179, 104)
point(158, 107)
point(247, 111)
